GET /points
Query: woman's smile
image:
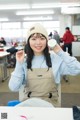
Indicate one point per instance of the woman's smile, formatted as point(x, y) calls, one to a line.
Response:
point(38, 43)
point(38, 47)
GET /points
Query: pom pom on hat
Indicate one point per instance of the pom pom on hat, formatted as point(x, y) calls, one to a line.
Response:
point(37, 28)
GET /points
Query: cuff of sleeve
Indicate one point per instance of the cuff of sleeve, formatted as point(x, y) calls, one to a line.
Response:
point(60, 52)
point(64, 55)
point(18, 67)
point(19, 64)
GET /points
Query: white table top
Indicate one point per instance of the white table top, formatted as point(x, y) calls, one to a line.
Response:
point(3, 53)
point(7, 47)
point(36, 113)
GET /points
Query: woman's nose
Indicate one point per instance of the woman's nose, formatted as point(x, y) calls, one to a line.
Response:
point(38, 41)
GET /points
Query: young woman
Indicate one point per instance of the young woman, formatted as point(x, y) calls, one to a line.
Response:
point(41, 71)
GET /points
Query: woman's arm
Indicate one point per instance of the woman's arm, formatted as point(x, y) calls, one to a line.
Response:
point(69, 64)
point(17, 77)
point(65, 63)
point(19, 73)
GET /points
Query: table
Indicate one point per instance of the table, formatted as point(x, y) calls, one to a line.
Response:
point(36, 113)
point(3, 65)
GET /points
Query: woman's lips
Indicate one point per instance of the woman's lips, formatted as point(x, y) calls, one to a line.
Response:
point(38, 47)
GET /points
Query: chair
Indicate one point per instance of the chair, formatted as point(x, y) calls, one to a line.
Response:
point(59, 93)
point(13, 103)
point(1, 72)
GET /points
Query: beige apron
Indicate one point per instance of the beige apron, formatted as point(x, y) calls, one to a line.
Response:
point(42, 85)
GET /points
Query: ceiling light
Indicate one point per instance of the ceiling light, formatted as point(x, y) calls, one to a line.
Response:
point(38, 18)
point(14, 6)
point(55, 5)
point(37, 12)
point(43, 5)
point(70, 10)
point(4, 19)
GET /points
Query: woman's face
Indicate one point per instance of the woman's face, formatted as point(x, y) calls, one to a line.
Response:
point(37, 43)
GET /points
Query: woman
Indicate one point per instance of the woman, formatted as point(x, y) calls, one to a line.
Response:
point(42, 70)
point(2, 41)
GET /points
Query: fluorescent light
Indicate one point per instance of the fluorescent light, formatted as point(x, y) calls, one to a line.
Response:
point(4, 19)
point(14, 6)
point(36, 12)
point(70, 10)
point(55, 5)
point(38, 18)
point(43, 5)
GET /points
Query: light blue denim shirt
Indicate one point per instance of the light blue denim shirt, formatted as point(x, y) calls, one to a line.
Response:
point(62, 64)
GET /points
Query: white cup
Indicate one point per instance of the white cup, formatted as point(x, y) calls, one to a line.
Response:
point(52, 43)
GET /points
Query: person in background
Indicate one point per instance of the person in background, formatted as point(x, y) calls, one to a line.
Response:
point(41, 72)
point(50, 36)
point(2, 41)
point(68, 38)
point(56, 37)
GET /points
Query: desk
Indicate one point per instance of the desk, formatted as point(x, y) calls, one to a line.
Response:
point(3, 64)
point(76, 49)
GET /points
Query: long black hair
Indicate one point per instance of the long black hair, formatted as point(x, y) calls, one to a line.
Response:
point(30, 55)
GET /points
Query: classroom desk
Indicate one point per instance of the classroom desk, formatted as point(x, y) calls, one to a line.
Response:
point(3, 65)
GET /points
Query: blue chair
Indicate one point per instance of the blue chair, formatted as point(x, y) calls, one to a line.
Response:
point(13, 103)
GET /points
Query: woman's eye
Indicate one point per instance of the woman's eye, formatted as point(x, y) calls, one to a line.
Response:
point(42, 38)
point(33, 39)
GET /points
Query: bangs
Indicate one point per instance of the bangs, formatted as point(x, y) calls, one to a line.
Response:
point(37, 35)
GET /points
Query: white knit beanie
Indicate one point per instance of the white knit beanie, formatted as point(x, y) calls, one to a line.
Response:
point(37, 28)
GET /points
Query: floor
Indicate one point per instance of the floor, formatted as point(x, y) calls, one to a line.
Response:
point(5, 93)
point(70, 91)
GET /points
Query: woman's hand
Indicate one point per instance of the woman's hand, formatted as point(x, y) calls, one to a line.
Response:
point(20, 55)
point(57, 48)
point(53, 45)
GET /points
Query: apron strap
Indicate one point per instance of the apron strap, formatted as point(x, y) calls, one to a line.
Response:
point(28, 95)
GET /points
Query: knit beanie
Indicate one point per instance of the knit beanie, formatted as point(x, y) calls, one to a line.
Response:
point(37, 28)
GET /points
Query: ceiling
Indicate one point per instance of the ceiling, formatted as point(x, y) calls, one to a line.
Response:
point(10, 13)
